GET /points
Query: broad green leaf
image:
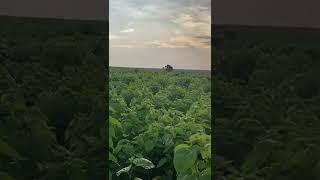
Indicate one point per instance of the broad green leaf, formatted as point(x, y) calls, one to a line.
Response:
point(186, 177)
point(181, 146)
point(136, 178)
point(124, 170)
point(195, 137)
point(184, 159)
point(120, 145)
point(148, 146)
point(142, 162)
point(7, 150)
point(113, 158)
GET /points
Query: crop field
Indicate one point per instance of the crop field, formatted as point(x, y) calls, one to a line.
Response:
point(52, 100)
point(266, 109)
point(159, 125)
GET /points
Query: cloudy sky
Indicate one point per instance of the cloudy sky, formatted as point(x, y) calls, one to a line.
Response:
point(153, 33)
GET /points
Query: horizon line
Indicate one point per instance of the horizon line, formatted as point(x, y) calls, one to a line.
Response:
point(158, 68)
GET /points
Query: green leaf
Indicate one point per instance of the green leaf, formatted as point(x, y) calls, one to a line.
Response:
point(205, 178)
point(162, 162)
point(181, 146)
point(184, 159)
point(195, 137)
point(186, 177)
point(110, 175)
point(206, 154)
point(111, 143)
point(7, 150)
point(136, 178)
point(111, 109)
point(112, 132)
point(113, 158)
point(206, 172)
point(142, 162)
point(5, 176)
point(124, 170)
point(114, 122)
point(148, 146)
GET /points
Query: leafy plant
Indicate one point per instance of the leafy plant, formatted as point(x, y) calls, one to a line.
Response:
point(151, 113)
point(136, 162)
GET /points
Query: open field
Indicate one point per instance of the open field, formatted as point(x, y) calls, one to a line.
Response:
point(161, 120)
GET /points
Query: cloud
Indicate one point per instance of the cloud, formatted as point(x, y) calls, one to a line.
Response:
point(193, 28)
point(129, 46)
point(129, 30)
point(180, 42)
point(137, 13)
point(112, 36)
point(165, 24)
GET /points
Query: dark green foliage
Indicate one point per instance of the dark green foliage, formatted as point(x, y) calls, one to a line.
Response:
point(52, 102)
point(266, 109)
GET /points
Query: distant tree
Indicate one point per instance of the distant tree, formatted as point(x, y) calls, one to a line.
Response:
point(168, 68)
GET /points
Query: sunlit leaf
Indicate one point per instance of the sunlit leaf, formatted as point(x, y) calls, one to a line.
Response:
point(124, 170)
point(142, 162)
point(181, 146)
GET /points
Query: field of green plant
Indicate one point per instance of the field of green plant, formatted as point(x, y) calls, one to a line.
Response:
point(159, 125)
point(52, 100)
point(266, 108)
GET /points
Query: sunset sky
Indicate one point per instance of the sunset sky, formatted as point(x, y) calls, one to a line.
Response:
point(145, 33)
